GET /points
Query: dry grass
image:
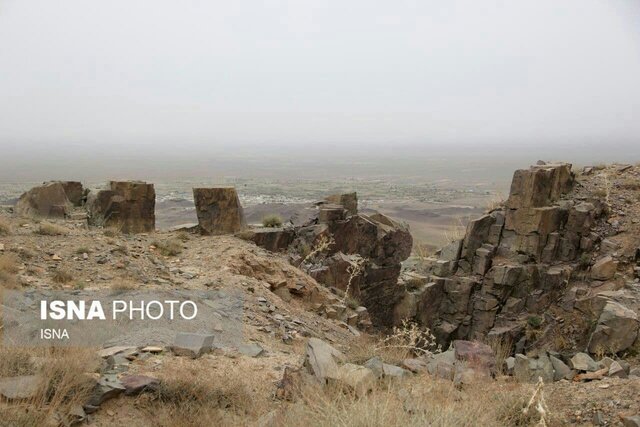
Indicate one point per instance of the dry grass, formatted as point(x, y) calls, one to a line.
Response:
point(417, 401)
point(65, 383)
point(405, 341)
point(272, 221)
point(122, 286)
point(60, 275)
point(9, 266)
point(49, 229)
point(455, 231)
point(170, 247)
point(195, 397)
point(502, 348)
point(5, 227)
point(495, 202)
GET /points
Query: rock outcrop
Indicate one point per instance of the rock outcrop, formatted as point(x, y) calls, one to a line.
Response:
point(46, 200)
point(74, 191)
point(518, 262)
point(219, 210)
point(358, 255)
point(126, 205)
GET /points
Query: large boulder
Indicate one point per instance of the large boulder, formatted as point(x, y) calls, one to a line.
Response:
point(539, 185)
point(616, 330)
point(126, 205)
point(529, 369)
point(604, 268)
point(219, 210)
point(376, 237)
point(74, 191)
point(46, 200)
point(322, 360)
point(349, 201)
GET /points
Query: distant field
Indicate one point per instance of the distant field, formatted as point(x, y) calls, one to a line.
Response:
point(432, 209)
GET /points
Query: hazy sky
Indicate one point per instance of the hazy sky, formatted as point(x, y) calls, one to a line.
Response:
point(86, 81)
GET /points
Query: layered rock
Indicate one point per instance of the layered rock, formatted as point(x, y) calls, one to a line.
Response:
point(74, 191)
point(358, 255)
point(219, 210)
point(126, 205)
point(46, 200)
point(516, 262)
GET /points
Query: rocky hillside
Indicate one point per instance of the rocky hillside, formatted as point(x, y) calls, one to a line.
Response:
point(337, 311)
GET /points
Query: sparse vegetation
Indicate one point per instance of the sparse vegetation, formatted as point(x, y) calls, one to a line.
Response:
point(82, 250)
point(272, 221)
point(584, 262)
point(50, 229)
point(405, 341)
point(170, 247)
point(65, 383)
point(5, 227)
point(122, 286)
point(60, 275)
point(502, 348)
point(9, 266)
point(322, 245)
point(192, 397)
point(355, 269)
point(534, 321)
point(413, 402)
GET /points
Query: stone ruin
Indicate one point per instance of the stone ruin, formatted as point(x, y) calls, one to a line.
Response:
point(219, 210)
point(54, 199)
point(126, 205)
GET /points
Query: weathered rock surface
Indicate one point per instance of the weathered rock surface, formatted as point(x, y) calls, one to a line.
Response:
point(74, 191)
point(219, 210)
point(46, 200)
point(21, 387)
point(126, 205)
point(192, 345)
point(136, 384)
point(322, 359)
point(616, 330)
point(271, 239)
point(349, 201)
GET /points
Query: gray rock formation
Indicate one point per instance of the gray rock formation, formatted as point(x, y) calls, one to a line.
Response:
point(48, 200)
point(126, 205)
point(219, 210)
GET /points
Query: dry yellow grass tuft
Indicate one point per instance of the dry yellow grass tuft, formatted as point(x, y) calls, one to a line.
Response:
point(196, 397)
point(122, 285)
point(169, 247)
point(9, 266)
point(49, 229)
point(416, 401)
point(60, 275)
point(5, 227)
point(65, 383)
point(405, 341)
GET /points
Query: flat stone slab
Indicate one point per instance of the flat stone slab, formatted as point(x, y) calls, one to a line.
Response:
point(251, 349)
point(21, 387)
point(112, 351)
point(136, 384)
point(192, 345)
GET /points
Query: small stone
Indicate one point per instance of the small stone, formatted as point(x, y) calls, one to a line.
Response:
point(251, 349)
point(55, 257)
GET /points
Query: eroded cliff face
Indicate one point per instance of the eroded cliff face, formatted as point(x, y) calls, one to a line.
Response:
point(550, 254)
